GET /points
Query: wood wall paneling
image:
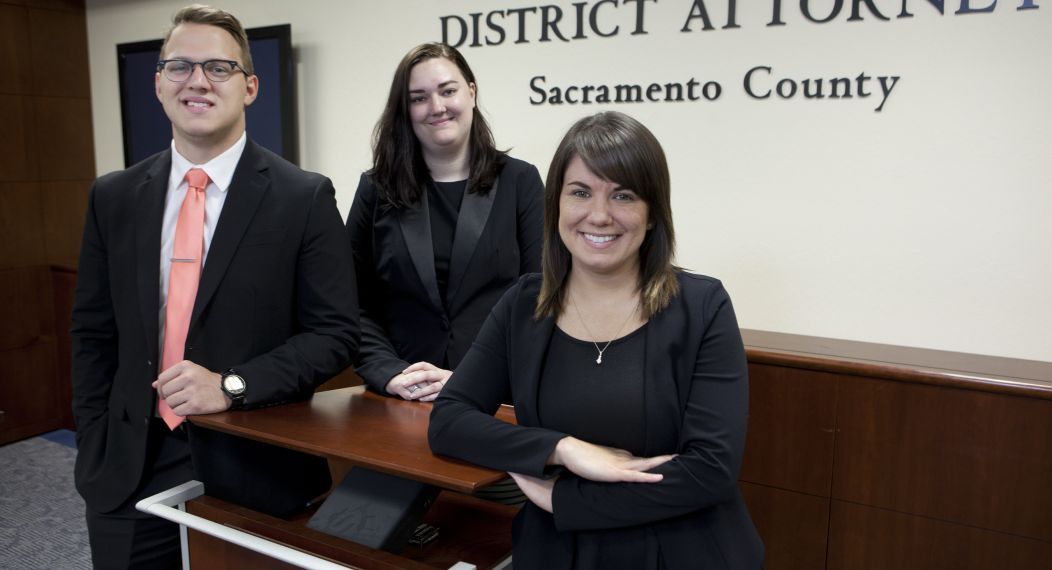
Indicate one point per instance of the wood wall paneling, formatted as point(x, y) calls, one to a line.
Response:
point(63, 284)
point(64, 204)
point(21, 224)
point(65, 5)
point(14, 50)
point(58, 41)
point(27, 391)
point(62, 138)
point(792, 418)
point(26, 313)
point(793, 526)
point(867, 538)
point(17, 163)
point(28, 384)
point(46, 164)
point(964, 456)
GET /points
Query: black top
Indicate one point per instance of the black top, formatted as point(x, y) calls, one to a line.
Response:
point(601, 404)
point(443, 204)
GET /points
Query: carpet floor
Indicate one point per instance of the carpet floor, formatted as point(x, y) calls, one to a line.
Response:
point(41, 515)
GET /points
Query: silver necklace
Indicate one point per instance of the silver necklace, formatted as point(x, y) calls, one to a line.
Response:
point(599, 359)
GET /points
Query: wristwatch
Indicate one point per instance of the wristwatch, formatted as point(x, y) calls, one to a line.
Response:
point(233, 385)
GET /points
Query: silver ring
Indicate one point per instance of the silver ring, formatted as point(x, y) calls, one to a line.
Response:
point(413, 388)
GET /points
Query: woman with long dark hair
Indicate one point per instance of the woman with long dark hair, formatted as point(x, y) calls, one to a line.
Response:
point(440, 226)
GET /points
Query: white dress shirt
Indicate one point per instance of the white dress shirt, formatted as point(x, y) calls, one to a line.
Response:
point(220, 172)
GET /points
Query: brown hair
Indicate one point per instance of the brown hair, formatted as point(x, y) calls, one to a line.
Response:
point(399, 171)
point(619, 149)
point(209, 16)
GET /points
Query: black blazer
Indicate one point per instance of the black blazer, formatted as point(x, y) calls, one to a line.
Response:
point(697, 397)
point(498, 238)
point(276, 302)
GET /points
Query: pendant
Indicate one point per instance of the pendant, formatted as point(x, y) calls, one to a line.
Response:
point(600, 359)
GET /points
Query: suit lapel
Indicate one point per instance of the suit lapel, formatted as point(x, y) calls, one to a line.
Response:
point(474, 212)
point(415, 222)
point(149, 210)
point(247, 188)
point(534, 343)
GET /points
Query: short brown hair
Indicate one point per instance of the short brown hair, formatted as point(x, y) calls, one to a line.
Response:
point(620, 149)
point(209, 16)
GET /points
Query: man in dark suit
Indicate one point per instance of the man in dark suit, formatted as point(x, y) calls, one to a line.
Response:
point(213, 275)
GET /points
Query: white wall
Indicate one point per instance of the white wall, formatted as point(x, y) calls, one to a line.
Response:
point(926, 224)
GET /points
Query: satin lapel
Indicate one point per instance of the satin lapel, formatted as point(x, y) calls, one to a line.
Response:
point(416, 230)
point(149, 214)
point(527, 369)
point(474, 212)
point(247, 188)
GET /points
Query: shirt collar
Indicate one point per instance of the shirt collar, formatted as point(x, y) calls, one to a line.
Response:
point(220, 170)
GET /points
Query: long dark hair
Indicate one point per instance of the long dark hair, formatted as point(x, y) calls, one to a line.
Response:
point(399, 171)
point(620, 149)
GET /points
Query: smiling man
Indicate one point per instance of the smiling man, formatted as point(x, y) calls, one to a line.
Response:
point(213, 276)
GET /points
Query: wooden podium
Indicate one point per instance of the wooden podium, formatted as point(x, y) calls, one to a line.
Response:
point(355, 428)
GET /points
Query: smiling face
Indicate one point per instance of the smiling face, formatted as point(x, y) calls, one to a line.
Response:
point(207, 117)
point(441, 106)
point(601, 223)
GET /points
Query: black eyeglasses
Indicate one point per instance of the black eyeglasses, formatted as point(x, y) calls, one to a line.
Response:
point(218, 70)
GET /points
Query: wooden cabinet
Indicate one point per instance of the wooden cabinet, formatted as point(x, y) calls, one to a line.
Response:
point(871, 456)
point(29, 385)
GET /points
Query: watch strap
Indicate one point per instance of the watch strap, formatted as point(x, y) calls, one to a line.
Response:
point(237, 401)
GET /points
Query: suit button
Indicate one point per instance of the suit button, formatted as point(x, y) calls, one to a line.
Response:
point(149, 363)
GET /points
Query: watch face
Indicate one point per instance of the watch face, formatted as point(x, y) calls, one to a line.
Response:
point(233, 384)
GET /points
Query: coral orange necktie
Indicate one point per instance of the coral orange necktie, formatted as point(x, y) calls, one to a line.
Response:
point(183, 279)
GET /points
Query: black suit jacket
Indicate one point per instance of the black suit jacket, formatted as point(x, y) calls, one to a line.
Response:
point(696, 406)
point(276, 301)
point(498, 238)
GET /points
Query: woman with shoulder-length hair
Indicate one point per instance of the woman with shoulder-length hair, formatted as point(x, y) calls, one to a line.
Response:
point(440, 226)
point(628, 377)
